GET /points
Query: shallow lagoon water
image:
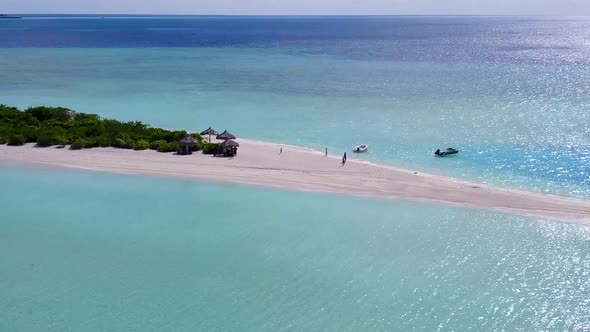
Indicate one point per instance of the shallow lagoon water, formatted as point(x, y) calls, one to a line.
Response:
point(94, 251)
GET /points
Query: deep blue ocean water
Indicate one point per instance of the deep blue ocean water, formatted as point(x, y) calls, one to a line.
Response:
point(92, 252)
point(516, 40)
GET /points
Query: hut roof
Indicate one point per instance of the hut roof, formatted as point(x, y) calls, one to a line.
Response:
point(226, 135)
point(187, 141)
point(209, 131)
point(230, 144)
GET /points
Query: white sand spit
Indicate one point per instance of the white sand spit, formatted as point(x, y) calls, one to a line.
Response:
point(260, 163)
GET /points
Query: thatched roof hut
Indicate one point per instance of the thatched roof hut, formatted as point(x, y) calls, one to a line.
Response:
point(225, 135)
point(230, 148)
point(209, 131)
point(230, 144)
point(186, 144)
point(189, 140)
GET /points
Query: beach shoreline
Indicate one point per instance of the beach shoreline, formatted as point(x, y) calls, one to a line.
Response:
point(260, 163)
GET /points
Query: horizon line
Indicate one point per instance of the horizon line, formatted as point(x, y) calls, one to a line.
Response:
point(297, 15)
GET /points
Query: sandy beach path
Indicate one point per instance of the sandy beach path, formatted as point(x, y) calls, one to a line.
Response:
point(259, 163)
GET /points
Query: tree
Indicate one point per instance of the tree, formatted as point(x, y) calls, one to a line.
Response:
point(43, 113)
point(16, 118)
point(57, 125)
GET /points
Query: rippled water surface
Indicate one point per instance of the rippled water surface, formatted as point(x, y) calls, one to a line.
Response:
point(93, 252)
point(511, 93)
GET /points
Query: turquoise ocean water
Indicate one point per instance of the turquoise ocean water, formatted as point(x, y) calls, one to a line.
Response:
point(513, 93)
point(511, 135)
point(96, 252)
point(91, 252)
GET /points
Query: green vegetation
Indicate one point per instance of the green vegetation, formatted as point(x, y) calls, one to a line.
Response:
point(16, 139)
point(155, 145)
point(141, 145)
point(210, 148)
point(47, 126)
point(168, 147)
point(79, 144)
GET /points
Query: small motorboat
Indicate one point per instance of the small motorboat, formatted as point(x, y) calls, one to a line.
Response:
point(361, 148)
point(447, 152)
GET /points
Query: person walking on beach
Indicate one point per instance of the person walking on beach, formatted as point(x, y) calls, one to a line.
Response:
point(326, 152)
point(344, 159)
point(281, 150)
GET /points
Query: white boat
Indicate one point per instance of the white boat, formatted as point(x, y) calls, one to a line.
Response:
point(361, 148)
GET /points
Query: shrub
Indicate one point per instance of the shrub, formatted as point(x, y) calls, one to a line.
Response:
point(103, 141)
point(129, 144)
point(79, 144)
point(16, 140)
point(168, 147)
point(163, 146)
point(3, 140)
point(61, 140)
point(123, 143)
point(141, 145)
point(198, 137)
point(118, 142)
point(173, 147)
point(91, 143)
point(210, 148)
point(154, 145)
point(30, 135)
point(178, 135)
point(46, 140)
point(199, 144)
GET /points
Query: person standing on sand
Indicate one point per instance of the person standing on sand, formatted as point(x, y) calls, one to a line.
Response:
point(345, 156)
point(281, 151)
point(344, 159)
point(326, 152)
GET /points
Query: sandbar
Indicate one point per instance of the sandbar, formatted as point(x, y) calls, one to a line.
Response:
point(297, 168)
